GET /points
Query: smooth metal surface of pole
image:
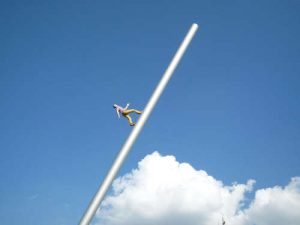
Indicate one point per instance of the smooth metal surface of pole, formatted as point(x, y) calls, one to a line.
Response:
point(91, 210)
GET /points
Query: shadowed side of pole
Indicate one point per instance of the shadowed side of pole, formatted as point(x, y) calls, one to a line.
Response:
point(92, 208)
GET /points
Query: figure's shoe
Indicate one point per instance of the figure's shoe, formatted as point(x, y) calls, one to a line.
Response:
point(132, 124)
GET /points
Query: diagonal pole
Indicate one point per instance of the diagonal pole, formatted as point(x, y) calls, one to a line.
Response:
point(94, 204)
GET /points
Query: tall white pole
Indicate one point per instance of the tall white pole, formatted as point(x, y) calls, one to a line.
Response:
point(91, 210)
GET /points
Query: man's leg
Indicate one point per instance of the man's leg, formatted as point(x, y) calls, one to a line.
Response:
point(131, 111)
point(137, 111)
point(129, 120)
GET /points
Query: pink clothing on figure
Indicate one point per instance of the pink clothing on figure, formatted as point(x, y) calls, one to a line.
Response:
point(120, 109)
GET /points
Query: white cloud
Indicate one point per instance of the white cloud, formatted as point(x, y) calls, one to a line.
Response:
point(275, 205)
point(162, 191)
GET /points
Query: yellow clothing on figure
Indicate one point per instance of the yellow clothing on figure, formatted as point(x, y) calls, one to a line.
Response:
point(125, 112)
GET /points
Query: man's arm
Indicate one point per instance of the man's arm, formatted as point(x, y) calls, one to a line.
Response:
point(118, 113)
point(127, 106)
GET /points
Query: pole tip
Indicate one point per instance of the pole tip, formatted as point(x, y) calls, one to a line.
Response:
point(195, 25)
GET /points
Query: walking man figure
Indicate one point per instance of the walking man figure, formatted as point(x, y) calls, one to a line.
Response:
point(125, 112)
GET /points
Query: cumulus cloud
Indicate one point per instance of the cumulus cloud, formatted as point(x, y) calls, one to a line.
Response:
point(163, 191)
point(275, 205)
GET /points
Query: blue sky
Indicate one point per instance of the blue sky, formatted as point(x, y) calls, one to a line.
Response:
point(232, 107)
